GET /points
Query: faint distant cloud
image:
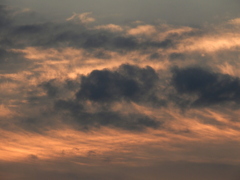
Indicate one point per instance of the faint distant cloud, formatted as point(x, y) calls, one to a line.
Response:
point(137, 22)
point(4, 111)
point(110, 27)
point(83, 18)
point(21, 11)
point(234, 21)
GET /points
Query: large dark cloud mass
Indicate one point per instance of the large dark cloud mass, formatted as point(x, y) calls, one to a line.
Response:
point(127, 83)
point(211, 88)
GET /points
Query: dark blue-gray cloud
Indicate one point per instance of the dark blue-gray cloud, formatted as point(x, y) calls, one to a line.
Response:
point(127, 82)
point(103, 88)
point(209, 87)
point(66, 34)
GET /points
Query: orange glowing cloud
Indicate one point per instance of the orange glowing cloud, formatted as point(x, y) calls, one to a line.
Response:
point(178, 130)
point(110, 27)
point(142, 30)
point(83, 18)
point(211, 44)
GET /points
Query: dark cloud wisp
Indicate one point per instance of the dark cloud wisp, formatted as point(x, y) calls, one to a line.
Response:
point(87, 120)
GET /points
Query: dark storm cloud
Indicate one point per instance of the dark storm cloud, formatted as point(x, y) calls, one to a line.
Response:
point(211, 88)
point(104, 87)
point(128, 82)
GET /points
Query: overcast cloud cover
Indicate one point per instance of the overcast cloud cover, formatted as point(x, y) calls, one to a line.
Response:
point(119, 90)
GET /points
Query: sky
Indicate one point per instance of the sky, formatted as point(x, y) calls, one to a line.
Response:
point(125, 90)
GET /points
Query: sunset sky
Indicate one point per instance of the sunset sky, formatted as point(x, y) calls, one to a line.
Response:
point(119, 90)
